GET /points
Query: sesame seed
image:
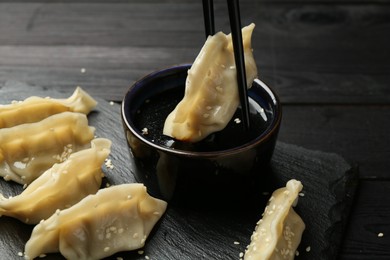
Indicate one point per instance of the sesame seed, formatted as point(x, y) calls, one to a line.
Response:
point(241, 254)
point(308, 249)
point(145, 131)
point(112, 103)
point(147, 257)
point(106, 249)
point(20, 254)
point(219, 89)
point(83, 70)
point(236, 242)
point(301, 194)
point(136, 235)
point(380, 234)
point(42, 255)
point(297, 253)
point(140, 252)
point(237, 120)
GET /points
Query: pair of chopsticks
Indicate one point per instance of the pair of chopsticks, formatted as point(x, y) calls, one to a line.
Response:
point(235, 26)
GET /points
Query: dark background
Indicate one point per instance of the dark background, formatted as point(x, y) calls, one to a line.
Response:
point(329, 61)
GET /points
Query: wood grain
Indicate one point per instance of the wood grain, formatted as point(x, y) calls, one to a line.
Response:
point(301, 50)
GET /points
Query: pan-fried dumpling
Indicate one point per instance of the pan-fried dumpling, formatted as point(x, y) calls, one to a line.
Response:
point(60, 187)
point(278, 233)
point(115, 219)
point(27, 150)
point(34, 109)
point(211, 95)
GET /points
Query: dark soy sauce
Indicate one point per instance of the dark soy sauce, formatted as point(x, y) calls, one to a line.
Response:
point(153, 112)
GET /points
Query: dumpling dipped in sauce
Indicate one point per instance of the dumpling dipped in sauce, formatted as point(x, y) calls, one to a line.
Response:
point(118, 218)
point(211, 91)
point(278, 233)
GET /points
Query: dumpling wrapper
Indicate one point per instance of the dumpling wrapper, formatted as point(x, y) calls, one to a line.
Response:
point(278, 233)
point(118, 218)
point(211, 92)
point(34, 109)
point(28, 150)
point(60, 187)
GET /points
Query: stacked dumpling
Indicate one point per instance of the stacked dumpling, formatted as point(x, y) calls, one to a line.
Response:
point(48, 146)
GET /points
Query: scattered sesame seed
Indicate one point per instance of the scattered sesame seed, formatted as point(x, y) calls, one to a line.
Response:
point(42, 255)
point(308, 249)
point(236, 242)
point(301, 194)
point(83, 70)
point(106, 249)
point(237, 120)
point(112, 103)
point(145, 131)
point(380, 234)
point(297, 253)
point(20, 254)
point(140, 252)
point(241, 254)
point(108, 185)
point(147, 257)
point(109, 164)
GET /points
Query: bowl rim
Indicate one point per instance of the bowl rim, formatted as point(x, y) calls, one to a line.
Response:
point(265, 136)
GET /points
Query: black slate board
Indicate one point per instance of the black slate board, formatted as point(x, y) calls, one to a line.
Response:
point(189, 233)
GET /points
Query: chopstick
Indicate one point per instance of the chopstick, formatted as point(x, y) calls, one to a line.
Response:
point(235, 26)
point(208, 14)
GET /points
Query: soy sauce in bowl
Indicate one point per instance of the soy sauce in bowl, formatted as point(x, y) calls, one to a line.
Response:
point(225, 166)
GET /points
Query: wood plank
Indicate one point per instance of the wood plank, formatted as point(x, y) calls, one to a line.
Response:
point(370, 218)
point(117, 68)
point(359, 133)
point(308, 53)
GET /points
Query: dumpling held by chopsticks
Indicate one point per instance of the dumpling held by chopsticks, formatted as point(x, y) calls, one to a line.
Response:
point(211, 94)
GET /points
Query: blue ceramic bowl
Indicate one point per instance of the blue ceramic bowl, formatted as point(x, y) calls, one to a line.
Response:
point(185, 173)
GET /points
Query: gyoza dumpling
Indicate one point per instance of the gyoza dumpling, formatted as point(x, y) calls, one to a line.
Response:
point(211, 95)
point(60, 187)
point(27, 150)
point(118, 218)
point(34, 109)
point(278, 233)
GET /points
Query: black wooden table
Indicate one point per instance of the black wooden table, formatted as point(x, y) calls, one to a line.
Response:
point(328, 60)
